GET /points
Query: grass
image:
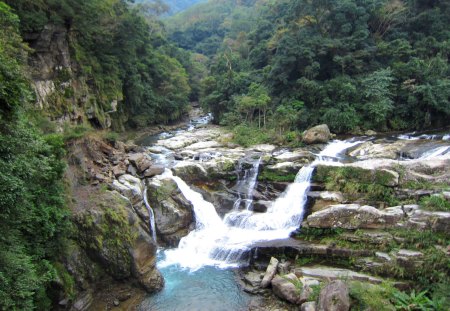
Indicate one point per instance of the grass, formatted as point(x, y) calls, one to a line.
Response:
point(274, 177)
point(435, 203)
point(367, 296)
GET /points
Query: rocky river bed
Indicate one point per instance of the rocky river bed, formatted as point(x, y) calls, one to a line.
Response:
point(351, 209)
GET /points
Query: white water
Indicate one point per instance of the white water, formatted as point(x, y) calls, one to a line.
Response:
point(247, 184)
point(217, 242)
point(438, 151)
point(151, 215)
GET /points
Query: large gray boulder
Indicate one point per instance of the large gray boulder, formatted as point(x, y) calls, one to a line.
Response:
point(289, 288)
point(174, 215)
point(354, 216)
point(319, 134)
point(334, 297)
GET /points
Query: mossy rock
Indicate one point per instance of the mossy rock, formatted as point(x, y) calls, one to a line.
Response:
point(108, 232)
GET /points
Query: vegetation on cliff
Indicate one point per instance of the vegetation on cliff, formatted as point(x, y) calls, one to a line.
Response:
point(378, 64)
point(33, 218)
point(122, 55)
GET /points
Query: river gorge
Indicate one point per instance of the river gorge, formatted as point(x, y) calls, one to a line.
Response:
point(218, 212)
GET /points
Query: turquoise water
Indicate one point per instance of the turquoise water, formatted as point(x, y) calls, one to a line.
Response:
point(207, 289)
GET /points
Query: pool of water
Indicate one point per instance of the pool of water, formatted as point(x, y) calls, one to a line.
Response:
point(208, 288)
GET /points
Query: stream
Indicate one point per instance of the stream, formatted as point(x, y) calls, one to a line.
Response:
point(199, 273)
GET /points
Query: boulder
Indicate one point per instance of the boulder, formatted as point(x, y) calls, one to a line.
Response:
point(354, 216)
point(190, 171)
point(174, 215)
point(154, 170)
point(289, 288)
point(261, 206)
point(270, 272)
point(319, 134)
point(140, 161)
point(113, 236)
point(334, 297)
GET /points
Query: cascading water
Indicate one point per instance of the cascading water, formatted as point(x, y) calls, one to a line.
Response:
point(246, 184)
point(222, 243)
point(151, 215)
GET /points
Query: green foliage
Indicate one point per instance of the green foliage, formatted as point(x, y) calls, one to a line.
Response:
point(122, 56)
point(367, 296)
point(271, 176)
point(33, 217)
point(370, 64)
point(435, 203)
point(412, 301)
point(247, 135)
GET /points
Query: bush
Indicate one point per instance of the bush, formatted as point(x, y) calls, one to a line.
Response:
point(247, 135)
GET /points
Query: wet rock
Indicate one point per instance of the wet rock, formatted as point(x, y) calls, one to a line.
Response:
point(173, 212)
point(261, 206)
point(223, 201)
point(334, 297)
point(354, 216)
point(270, 272)
point(319, 134)
point(143, 252)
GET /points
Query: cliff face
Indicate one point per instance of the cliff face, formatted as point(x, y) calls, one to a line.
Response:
point(62, 89)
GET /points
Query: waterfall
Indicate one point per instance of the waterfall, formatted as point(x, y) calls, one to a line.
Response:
point(435, 152)
point(246, 184)
point(151, 215)
point(223, 243)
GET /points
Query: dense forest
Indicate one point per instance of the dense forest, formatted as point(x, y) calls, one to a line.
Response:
point(33, 219)
point(355, 65)
point(120, 51)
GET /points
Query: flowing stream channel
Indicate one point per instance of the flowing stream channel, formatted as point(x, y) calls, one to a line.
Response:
point(198, 272)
